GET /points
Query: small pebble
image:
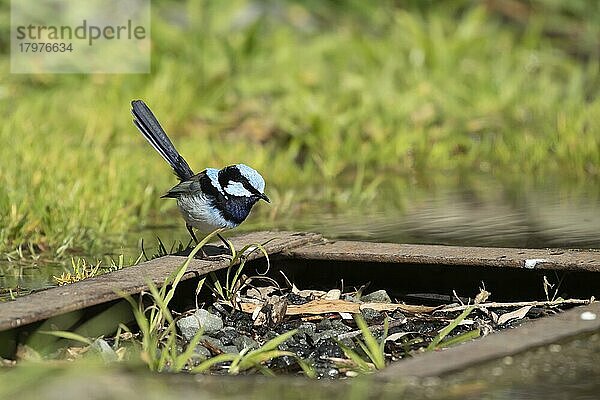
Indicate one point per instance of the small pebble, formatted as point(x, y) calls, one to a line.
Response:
point(103, 348)
point(379, 296)
point(371, 316)
point(307, 327)
point(190, 325)
point(333, 373)
point(201, 353)
point(210, 323)
point(398, 315)
point(229, 349)
point(244, 342)
point(212, 341)
point(324, 324)
point(323, 335)
point(227, 335)
point(295, 299)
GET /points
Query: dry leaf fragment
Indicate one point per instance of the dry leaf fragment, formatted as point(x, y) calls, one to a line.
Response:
point(333, 294)
point(346, 315)
point(517, 314)
point(272, 312)
point(398, 335)
point(322, 306)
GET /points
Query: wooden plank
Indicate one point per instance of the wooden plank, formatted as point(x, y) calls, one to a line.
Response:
point(532, 334)
point(553, 259)
point(55, 301)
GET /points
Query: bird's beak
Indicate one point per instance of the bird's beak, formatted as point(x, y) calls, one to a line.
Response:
point(264, 197)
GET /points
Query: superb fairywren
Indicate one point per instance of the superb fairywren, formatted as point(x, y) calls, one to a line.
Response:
point(210, 199)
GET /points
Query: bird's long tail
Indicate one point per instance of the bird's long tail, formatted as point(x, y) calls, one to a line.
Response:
point(149, 126)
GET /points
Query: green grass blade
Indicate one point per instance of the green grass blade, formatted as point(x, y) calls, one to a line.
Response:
point(68, 335)
point(371, 347)
point(363, 366)
point(275, 342)
point(453, 324)
point(463, 337)
point(184, 357)
point(256, 359)
point(207, 364)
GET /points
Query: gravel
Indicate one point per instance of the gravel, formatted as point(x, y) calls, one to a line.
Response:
point(379, 296)
point(190, 325)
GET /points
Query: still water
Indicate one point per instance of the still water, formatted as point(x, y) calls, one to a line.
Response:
point(480, 214)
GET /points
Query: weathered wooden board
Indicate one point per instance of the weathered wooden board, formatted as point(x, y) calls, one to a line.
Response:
point(554, 259)
point(532, 334)
point(55, 301)
point(48, 303)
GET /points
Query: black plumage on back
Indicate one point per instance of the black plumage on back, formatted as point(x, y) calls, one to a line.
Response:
point(149, 126)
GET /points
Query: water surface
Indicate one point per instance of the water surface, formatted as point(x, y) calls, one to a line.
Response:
point(478, 212)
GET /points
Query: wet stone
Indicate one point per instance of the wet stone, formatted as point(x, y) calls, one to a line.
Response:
point(295, 299)
point(210, 323)
point(398, 315)
point(350, 297)
point(339, 326)
point(230, 350)
point(244, 326)
point(244, 342)
point(328, 334)
point(307, 327)
point(201, 353)
point(190, 325)
point(379, 296)
point(327, 348)
point(227, 336)
point(372, 316)
point(323, 325)
point(103, 348)
point(212, 341)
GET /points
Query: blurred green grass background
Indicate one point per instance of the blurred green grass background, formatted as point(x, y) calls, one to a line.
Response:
point(335, 103)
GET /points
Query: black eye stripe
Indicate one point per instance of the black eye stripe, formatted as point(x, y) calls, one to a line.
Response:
point(233, 174)
point(246, 184)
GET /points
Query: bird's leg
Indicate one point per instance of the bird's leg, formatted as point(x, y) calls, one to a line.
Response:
point(191, 231)
point(223, 240)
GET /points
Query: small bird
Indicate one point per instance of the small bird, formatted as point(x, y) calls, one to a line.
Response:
point(211, 199)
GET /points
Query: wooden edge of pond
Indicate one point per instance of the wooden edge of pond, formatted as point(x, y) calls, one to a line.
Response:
point(544, 259)
point(308, 246)
point(532, 334)
point(100, 289)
